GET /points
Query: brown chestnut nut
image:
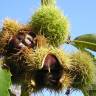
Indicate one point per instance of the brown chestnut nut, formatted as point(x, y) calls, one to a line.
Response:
point(21, 40)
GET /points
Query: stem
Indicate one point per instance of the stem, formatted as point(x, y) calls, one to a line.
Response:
point(48, 2)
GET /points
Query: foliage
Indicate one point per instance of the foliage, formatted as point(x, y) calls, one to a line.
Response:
point(87, 41)
point(5, 81)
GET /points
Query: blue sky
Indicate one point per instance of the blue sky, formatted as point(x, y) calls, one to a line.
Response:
point(81, 13)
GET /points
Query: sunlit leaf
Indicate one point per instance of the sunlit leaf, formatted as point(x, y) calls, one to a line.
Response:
point(5, 81)
point(87, 41)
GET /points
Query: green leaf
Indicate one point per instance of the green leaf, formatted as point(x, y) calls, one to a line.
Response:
point(87, 41)
point(5, 81)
